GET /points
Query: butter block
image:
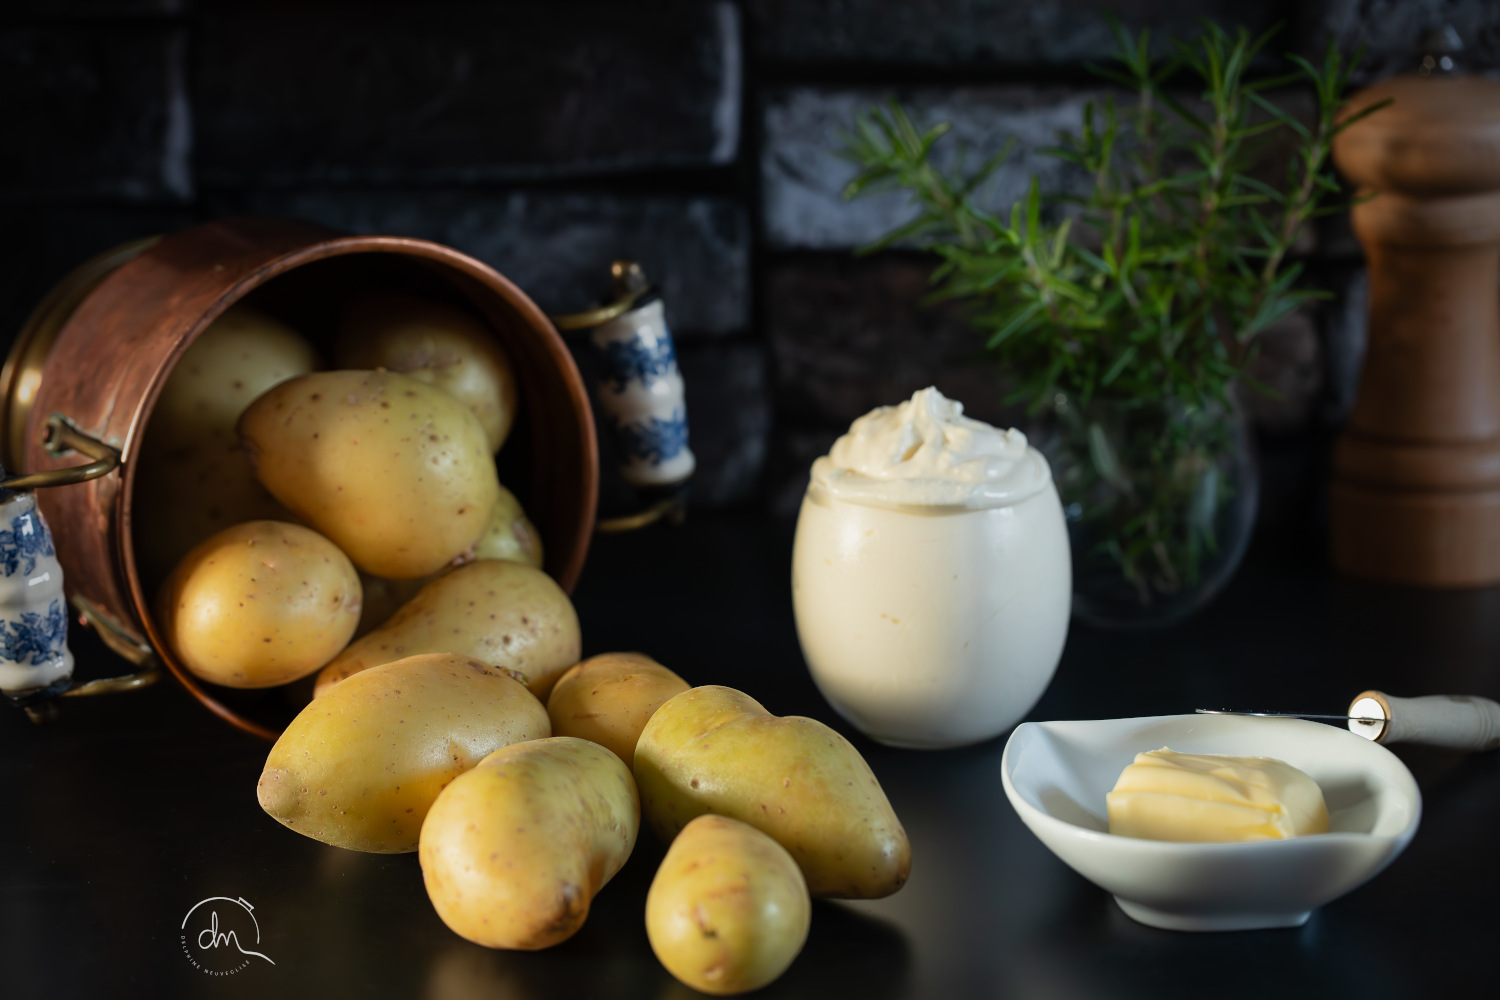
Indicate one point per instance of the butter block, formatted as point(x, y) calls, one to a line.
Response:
point(1214, 798)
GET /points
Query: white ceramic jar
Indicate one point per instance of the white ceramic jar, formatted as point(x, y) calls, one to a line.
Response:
point(931, 577)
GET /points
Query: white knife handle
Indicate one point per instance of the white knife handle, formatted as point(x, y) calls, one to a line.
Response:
point(1454, 721)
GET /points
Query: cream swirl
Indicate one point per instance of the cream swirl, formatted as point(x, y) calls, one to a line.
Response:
point(926, 453)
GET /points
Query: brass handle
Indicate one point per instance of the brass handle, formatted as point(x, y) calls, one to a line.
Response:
point(125, 644)
point(596, 317)
point(41, 706)
point(114, 685)
point(63, 437)
point(629, 284)
point(671, 510)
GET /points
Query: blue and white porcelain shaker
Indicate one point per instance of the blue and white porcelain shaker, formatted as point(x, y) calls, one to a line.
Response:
point(641, 395)
point(33, 611)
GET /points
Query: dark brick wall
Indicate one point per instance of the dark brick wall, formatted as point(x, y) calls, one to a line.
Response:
point(463, 92)
point(698, 136)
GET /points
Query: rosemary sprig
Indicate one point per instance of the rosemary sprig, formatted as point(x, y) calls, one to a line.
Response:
point(1145, 294)
point(1155, 284)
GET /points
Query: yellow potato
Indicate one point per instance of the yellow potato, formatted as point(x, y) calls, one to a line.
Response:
point(514, 851)
point(503, 613)
point(510, 535)
point(728, 910)
point(194, 478)
point(360, 767)
point(260, 604)
point(395, 471)
point(716, 750)
point(438, 343)
point(608, 698)
point(242, 354)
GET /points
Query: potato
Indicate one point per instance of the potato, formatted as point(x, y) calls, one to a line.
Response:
point(439, 344)
point(396, 472)
point(716, 750)
point(194, 477)
point(503, 613)
point(510, 535)
point(181, 500)
point(260, 604)
point(608, 698)
point(514, 851)
point(242, 354)
point(360, 767)
point(728, 910)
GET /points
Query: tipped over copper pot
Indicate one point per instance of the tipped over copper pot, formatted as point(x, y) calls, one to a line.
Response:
point(94, 357)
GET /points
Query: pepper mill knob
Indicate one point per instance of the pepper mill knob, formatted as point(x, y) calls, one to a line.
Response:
point(1415, 491)
point(1438, 47)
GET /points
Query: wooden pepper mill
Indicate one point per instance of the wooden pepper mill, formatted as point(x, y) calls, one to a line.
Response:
point(1415, 491)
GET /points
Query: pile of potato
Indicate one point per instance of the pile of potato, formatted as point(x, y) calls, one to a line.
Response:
point(297, 509)
point(348, 525)
point(521, 814)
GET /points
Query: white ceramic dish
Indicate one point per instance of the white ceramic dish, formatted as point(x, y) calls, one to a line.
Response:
point(1056, 775)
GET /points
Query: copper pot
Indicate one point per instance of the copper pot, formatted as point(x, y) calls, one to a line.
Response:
point(88, 368)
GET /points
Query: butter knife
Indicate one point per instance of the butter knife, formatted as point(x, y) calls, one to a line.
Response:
point(1453, 721)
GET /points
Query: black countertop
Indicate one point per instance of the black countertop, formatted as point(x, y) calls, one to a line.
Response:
point(121, 815)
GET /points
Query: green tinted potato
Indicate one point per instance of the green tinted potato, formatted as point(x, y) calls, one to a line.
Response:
point(242, 354)
point(360, 766)
point(514, 852)
point(716, 750)
point(194, 477)
point(728, 910)
point(510, 534)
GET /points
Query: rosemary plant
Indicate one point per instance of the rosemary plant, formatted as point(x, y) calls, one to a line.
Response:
point(1144, 297)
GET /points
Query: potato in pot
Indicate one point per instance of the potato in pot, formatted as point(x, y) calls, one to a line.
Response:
point(503, 613)
point(260, 604)
point(396, 472)
point(438, 343)
point(510, 534)
point(242, 354)
point(194, 477)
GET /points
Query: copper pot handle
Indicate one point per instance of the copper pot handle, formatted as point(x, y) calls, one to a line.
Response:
point(62, 437)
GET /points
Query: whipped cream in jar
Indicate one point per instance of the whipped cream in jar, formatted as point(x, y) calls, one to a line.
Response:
point(931, 577)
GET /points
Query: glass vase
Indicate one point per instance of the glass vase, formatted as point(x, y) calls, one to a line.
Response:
point(1160, 502)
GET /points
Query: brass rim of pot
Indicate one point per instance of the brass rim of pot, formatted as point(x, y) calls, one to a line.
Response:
point(22, 375)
